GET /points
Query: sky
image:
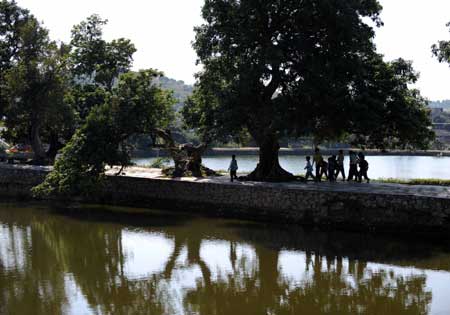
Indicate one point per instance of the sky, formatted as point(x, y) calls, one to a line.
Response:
point(162, 31)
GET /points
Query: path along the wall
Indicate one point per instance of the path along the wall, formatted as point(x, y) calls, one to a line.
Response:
point(341, 205)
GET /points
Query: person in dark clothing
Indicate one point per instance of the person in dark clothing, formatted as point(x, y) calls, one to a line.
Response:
point(340, 165)
point(233, 168)
point(323, 169)
point(363, 168)
point(353, 170)
point(332, 165)
point(317, 162)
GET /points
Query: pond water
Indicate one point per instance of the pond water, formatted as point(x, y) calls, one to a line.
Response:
point(402, 167)
point(96, 260)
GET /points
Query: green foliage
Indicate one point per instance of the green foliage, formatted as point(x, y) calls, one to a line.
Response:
point(83, 97)
point(202, 112)
point(160, 162)
point(135, 106)
point(48, 90)
point(388, 114)
point(95, 59)
point(95, 64)
point(299, 68)
point(442, 49)
point(12, 20)
point(34, 88)
point(416, 181)
point(264, 62)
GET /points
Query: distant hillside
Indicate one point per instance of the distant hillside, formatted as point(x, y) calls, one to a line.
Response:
point(440, 104)
point(180, 89)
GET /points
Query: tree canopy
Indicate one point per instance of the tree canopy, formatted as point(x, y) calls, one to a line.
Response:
point(96, 60)
point(48, 89)
point(134, 106)
point(34, 81)
point(295, 68)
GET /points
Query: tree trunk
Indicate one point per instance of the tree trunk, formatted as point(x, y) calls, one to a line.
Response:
point(268, 168)
point(36, 144)
point(54, 146)
point(187, 158)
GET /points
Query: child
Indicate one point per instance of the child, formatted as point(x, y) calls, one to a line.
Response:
point(233, 168)
point(331, 167)
point(363, 168)
point(309, 169)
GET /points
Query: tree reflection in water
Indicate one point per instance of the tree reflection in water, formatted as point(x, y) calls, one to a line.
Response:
point(43, 250)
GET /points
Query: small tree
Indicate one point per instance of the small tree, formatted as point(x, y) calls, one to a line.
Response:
point(135, 106)
point(297, 67)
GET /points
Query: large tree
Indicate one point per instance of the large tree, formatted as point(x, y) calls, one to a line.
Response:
point(278, 68)
point(47, 90)
point(34, 82)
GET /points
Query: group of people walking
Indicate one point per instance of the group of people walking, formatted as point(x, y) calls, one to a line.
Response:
point(334, 167)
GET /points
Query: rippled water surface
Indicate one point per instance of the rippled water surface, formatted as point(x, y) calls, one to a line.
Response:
point(96, 260)
point(403, 167)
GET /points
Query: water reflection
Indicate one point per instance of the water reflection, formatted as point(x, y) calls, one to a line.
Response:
point(94, 262)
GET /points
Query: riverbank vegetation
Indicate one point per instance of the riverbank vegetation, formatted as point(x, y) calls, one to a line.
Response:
point(416, 181)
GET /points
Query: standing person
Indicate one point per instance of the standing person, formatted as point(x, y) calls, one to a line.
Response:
point(324, 169)
point(233, 168)
point(363, 167)
point(332, 165)
point(317, 161)
point(353, 171)
point(309, 169)
point(340, 165)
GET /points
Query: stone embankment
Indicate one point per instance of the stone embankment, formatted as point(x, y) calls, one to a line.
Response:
point(424, 209)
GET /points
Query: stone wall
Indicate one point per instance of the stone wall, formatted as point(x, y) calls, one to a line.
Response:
point(346, 210)
point(17, 180)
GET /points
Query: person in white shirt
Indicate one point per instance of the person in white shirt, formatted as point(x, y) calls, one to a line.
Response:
point(309, 169)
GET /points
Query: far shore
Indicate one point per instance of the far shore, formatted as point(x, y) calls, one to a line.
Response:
point(293, 151)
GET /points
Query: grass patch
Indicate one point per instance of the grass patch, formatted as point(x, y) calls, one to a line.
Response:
point(160, 162)
point(416, 181)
